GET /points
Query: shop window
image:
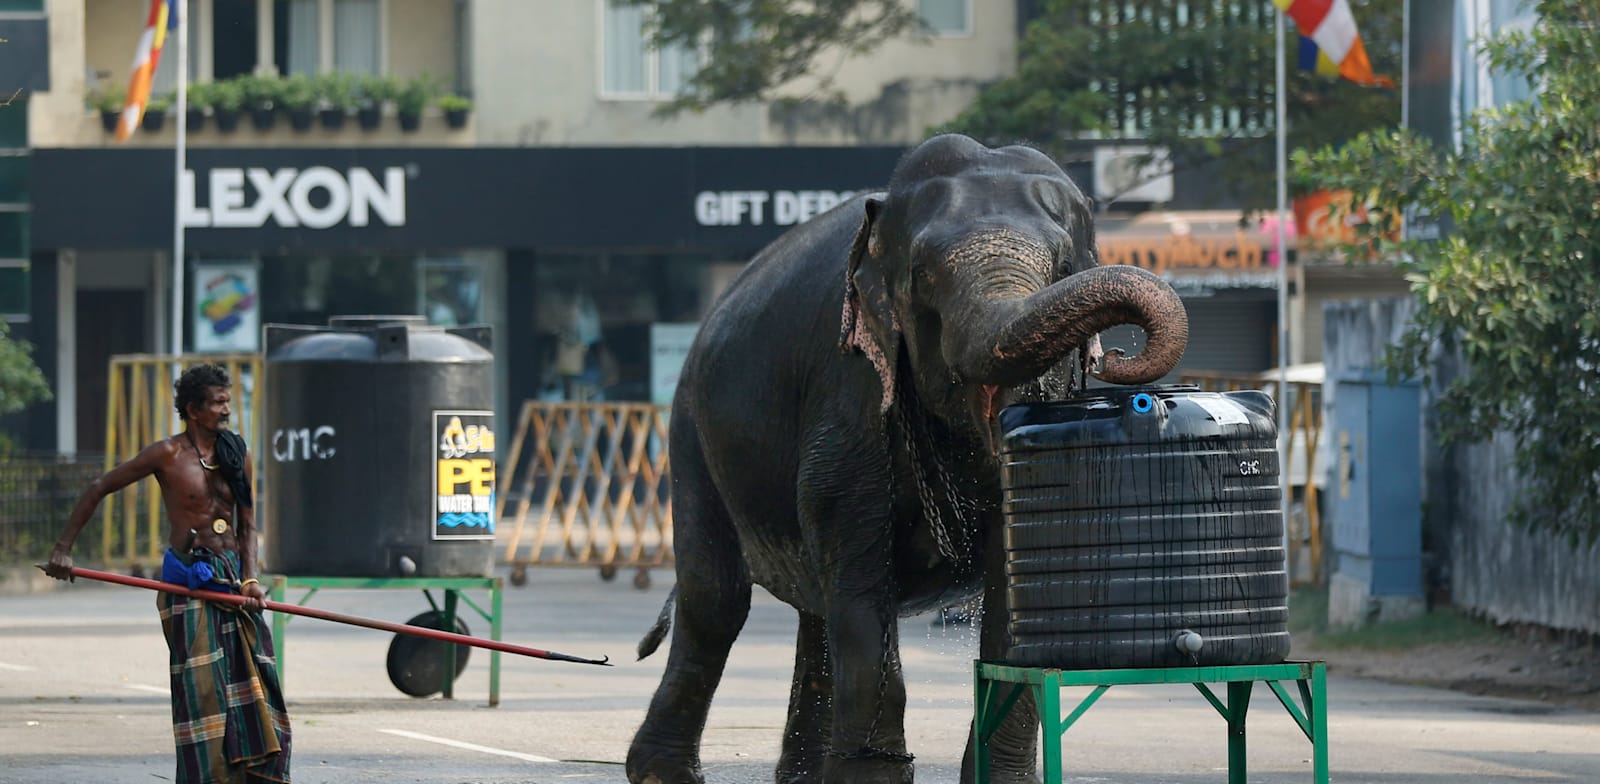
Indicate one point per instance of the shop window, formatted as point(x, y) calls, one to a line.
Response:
point(948, 18)
point(13, 289)
point(597, 318)
point(634, 69)
point(233, 39)
point(450, 291)
point(308, 288)
point(22, 6)
point(13, 234)
point(313, 36)
point(14, 179)
point(14, 125)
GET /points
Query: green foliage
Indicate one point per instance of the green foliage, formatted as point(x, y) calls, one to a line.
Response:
point(414, 95)
point(755, 47)
point(1203, 88)
point(21, 383)
point(201, 96)
point(455, 103)
point(338, 91)
point(109, 99)
point(1514, 288)
point(299, 92)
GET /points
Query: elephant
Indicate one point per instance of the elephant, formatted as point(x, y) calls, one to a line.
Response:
point(833, 439)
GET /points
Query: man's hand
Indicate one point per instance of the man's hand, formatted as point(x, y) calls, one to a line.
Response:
point(60, 566)
point(255, 597)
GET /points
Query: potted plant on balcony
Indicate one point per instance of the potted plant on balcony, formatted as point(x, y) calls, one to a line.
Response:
point(455, 108)
point(299, 101)
point(109, 102)
point(261, 96)
point(200, 98)
point(155, 112)
point(335, 99)
point(227, 98)
point(413, 98)
point(374, 91)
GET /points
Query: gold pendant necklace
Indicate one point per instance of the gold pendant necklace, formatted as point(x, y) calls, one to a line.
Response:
point(197, 455)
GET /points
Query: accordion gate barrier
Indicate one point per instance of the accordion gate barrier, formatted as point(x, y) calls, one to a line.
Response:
point(587, 485)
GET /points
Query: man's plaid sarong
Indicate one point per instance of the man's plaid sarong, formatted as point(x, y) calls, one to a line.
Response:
point(228, 715)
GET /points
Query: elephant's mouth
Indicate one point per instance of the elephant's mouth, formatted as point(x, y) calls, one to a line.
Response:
point(988, 400)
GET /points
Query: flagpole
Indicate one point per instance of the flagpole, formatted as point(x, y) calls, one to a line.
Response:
point(182, 123)
point(1282, 125)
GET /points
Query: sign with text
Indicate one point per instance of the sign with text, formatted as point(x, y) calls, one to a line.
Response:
point(463, 474)
point(1239, 257)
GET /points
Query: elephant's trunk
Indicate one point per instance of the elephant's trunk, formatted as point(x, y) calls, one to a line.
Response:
point(1019, 339)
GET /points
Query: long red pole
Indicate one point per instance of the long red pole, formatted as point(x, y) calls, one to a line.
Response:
point(295, 609)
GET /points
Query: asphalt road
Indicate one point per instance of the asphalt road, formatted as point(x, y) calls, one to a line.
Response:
point(83, 698)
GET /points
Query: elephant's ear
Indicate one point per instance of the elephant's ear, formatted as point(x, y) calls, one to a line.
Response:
point(869, 323)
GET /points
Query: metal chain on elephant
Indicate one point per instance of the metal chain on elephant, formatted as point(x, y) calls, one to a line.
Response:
point(957, 548)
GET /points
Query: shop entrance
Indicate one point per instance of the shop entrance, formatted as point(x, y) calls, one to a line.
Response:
point(109, 322)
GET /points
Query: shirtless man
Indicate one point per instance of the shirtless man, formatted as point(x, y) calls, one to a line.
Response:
point(206, 481)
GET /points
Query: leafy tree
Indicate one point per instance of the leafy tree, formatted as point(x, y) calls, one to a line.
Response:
point(1513, 289)
point(21, 382)
point(756, 47)
point(1194, 77)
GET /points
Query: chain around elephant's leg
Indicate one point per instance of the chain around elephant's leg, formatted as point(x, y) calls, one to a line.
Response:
point(868, 741)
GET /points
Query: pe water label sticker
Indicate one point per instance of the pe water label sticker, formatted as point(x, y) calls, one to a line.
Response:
point(463, 474)
point(1225, 411)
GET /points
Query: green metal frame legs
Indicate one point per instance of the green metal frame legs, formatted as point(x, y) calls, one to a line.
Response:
point(452, 587)
point(994, 701)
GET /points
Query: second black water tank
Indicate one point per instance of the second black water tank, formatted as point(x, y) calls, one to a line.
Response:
point(1144, 529)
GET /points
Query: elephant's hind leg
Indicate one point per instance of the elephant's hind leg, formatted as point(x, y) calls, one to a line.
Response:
point(713, 585)
point(805, 736)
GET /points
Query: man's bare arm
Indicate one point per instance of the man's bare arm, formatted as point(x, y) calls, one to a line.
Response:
point(140, 466)
point(255, 595)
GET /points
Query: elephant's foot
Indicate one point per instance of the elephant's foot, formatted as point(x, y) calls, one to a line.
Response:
point(656, 765)
point(868, 766)
point(1013, 777)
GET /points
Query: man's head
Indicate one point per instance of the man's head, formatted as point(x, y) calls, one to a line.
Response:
point(202, 396)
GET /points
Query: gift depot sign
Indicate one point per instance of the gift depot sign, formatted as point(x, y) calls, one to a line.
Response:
point(315, 197)
point(757, 208)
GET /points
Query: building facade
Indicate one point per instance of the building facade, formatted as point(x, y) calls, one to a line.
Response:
point(591, 235)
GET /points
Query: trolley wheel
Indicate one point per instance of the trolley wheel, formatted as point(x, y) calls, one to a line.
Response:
point(519, 575)
point(608, 572)
point(416, 663)
point(641, 580)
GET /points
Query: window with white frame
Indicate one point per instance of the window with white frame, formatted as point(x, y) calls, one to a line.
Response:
point(631, 67)
point(949, 18)
point(329, 35)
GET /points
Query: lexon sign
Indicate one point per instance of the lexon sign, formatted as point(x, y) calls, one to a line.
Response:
point(318, 197)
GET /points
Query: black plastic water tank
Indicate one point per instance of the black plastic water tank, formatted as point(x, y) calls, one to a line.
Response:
point(1143, 529)
point(380, 459)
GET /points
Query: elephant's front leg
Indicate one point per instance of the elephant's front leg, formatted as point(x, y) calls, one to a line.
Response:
point(869, 693)
point(806, 735)
point(1014, 748)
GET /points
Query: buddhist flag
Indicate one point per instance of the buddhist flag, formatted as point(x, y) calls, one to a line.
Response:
point(162, 19)
point(1332, 30)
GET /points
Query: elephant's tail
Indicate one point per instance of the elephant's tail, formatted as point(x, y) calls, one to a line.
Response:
point(658, 632)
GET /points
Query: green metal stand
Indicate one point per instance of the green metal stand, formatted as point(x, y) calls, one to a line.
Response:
point(994, 701)
point(453, 588)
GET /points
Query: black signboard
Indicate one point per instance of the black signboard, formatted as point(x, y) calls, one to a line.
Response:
point(298, 198)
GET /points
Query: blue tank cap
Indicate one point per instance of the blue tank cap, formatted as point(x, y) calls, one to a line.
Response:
point(1143, 403)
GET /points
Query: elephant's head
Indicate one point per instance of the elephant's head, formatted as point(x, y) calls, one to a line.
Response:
point(982, 264)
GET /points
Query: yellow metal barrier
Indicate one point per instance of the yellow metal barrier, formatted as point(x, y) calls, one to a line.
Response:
point(1305, 431)
point(594, 489)
point(139, 412)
